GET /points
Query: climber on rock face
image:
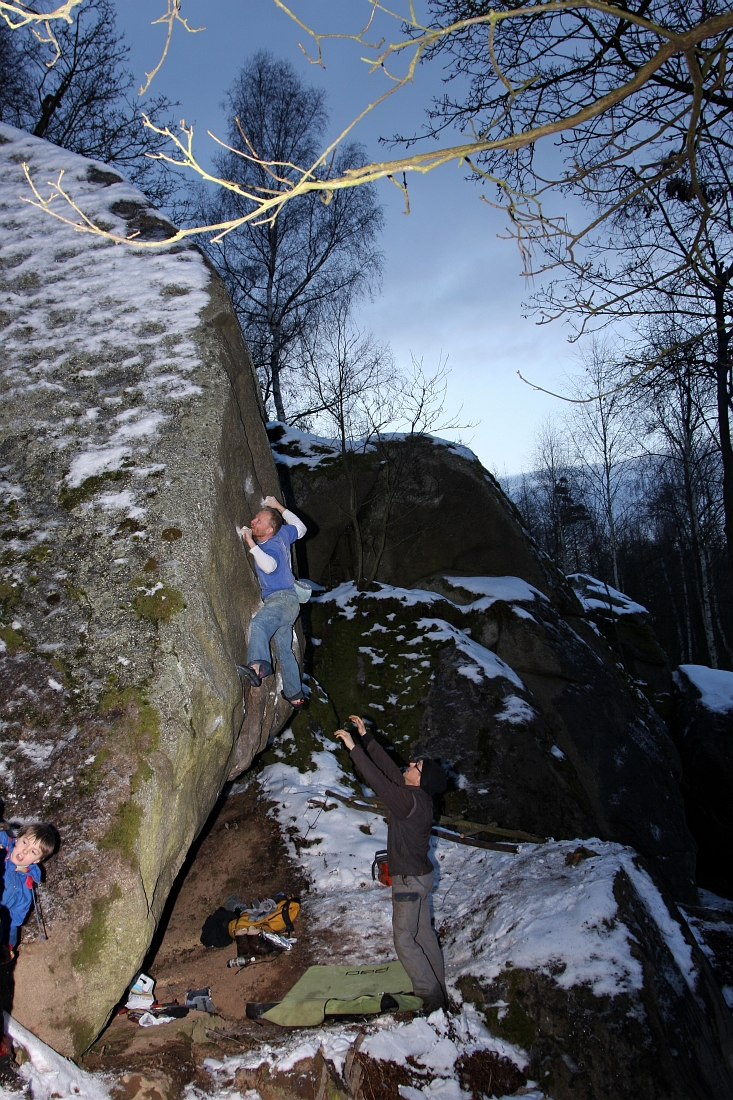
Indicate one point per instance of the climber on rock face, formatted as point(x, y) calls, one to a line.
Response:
point(272, 532)
point(409, 798)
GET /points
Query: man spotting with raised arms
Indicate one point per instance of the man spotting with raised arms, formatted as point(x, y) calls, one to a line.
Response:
point(409, 798)
point(273, 531)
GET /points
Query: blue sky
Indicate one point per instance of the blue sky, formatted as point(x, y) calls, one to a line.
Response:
point(451, 287)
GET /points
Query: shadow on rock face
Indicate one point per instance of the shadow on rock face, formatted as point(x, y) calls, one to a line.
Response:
point(702, 727)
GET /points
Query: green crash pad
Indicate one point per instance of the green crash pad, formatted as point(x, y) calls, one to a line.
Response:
point(343, 990)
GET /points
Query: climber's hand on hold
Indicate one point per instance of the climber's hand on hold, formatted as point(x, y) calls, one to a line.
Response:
point(346, 737)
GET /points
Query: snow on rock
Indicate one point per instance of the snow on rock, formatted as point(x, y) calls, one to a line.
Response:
point(714, 684)
point(115, 310)
point(346, 596)
point(509, 589)
point(48, 1075)
point(430, 1046)
point(596, 595)
point(484, 663)
point(292, 447)
point(527, 911)
point(481, 658)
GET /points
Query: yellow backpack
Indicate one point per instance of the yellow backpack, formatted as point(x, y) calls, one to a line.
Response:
point(280, 919)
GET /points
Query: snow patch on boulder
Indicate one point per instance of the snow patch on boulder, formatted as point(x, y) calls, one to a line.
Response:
point(714, 684)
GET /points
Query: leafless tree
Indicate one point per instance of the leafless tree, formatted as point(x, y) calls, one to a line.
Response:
point(613, 81)
point(682, 441)
point(282, 274)
point(665, 258)
point(665, 480)
point(604, 438)
point(376, 416)
point(16, 90)
point(76, 91)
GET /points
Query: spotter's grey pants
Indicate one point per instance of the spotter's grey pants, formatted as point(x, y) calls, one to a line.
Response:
point(415, 940)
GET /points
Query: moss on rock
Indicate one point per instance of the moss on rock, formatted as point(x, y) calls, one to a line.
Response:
point(129, 707)
point(13, 639)
point(90, 776)
point(376, 663)
point(70, 496)
point(11, 593)
point(93, 937)
point(124, 830)
point(157, 604)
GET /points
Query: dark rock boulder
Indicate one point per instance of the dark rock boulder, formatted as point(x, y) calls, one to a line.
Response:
point(484, 653)
point(702, 726)
point(447, 514)
point(712, 925)
point(627, 628)
point(543, 733)
point(632, 1013)
point(132, 441)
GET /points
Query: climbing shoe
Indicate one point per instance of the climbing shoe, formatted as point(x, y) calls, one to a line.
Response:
point(246, 672)
point(297, 702)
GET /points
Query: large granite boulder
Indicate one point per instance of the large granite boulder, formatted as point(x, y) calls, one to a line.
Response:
point(496, 669)
point(540, 729)
point(575, 956)
point(702, 726)
point(133, 440)
point(446, 513)
point(627, 627)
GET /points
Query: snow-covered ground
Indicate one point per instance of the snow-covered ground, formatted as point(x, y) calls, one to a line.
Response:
point(540, 909)
point(525, 910)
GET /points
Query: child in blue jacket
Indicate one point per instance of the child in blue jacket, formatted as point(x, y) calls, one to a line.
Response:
point(34, 843)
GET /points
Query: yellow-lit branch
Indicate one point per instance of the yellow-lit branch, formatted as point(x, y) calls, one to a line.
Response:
point(22, 15)
point(170, 18)
point(291, 181)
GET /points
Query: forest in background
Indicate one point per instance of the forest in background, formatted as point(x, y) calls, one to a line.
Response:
point(628, 488)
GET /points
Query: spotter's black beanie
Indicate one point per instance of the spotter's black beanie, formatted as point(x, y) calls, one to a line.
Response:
point(432, 778)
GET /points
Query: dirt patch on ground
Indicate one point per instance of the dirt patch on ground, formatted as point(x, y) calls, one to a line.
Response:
point(239, 852)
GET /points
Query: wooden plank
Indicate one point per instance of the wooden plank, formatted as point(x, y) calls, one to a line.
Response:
point(469, 828)
point(375, 805)
point(446, 834)
point(464, 829)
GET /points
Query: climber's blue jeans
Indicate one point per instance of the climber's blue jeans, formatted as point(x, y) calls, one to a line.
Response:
point(275, 620)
